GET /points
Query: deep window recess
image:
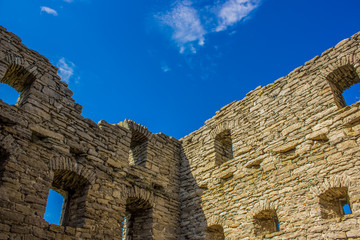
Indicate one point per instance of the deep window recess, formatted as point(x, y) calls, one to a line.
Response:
point(214, 232)
point(266, 222)
point(138, 149)
point(4, 156)
point(340, 80)
point(223, 147)
point(334, 203)
point(138, 222)
point(73, 188)
point(19, 79)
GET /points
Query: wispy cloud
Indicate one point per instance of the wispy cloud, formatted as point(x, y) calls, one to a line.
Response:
point(165, 68)
point(66, 69)
point(49, 10)
point(186, 25)
point(190, 24)
point(233, 11)
point(69, 1)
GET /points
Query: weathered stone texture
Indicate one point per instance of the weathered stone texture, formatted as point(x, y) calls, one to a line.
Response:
point(278, 164)
point(45, 143)
point(295, 158)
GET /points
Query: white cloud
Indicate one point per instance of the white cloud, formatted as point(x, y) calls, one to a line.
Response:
point(190, 24)
point(69, 1)
point(66, 69)
point(233, 11)
point(49, 10)
point(185, 23)
point(165, 68)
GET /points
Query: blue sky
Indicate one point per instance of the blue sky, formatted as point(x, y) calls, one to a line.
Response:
point(170, 65)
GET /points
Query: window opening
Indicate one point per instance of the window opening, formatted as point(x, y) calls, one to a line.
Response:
point(342, 79)
point(8, 94)
point(334, 203)
point(37, 137)
point(54, 207)
point(352, 94)
point(223, 147)
point(138, 222)
point(4, 156)
point(346, 208)
point(266, 222)
point(20, 80)
point(138, 149)
point(214, 232)
point(73, 188)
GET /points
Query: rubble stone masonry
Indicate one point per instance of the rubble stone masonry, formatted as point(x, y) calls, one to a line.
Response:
point(282, 163)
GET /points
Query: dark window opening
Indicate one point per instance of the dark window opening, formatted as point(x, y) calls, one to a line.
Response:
point(334, 203)
point(138, 222)
point(73, 188)
point(37, 137)
point(266, 222)
point(20, 80)
point(340, 80)
point(223, 147)
point(158, 187)
point(214, 232)
point(4, 156)
point(8, 94)
point(138, 149)
point(54, 207)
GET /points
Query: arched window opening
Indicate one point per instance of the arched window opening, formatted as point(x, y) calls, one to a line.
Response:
point(138, 149)
point(334, 203)
point(266, 222)
point(214, 232)
point(8, 94)
point(73, 188)
point(19, 79)
point(342, 79)
point(54, 207)
point(4, 156)
point(223, 147)
point(138, 222)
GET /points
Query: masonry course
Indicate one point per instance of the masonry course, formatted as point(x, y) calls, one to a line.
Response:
point(279, 164)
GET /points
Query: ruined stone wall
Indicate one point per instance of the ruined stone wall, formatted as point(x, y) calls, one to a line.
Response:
point(279, 164)
point(295, 158)
point(46, 144)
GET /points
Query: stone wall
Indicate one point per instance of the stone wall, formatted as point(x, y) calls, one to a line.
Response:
point(279, 164)
point(46, 144)
point(295, 147)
